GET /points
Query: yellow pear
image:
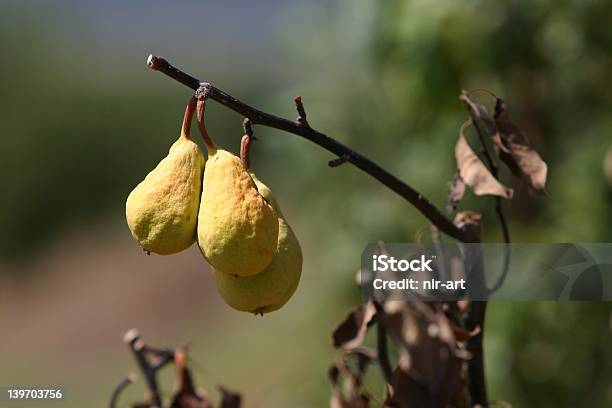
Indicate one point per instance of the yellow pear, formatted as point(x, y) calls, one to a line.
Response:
point(237, 227)
point(162, 210)
point(270, 289)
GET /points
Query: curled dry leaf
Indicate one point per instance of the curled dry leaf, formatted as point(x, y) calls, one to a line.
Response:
point(521, 158)
point(187, 395)
point(516, 152)
point(428, 374)
point(346, 377)
point(455, 195)
point(475, 174)
point(351, 332)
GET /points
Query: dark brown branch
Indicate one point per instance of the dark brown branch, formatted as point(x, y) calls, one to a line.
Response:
point(477, 384)
point(132, 339)
point(432, 213)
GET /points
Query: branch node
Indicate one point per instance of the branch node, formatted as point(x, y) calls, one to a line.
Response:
point(248, 130)
point(301, 119)
point(203, 91)
point(339, 161)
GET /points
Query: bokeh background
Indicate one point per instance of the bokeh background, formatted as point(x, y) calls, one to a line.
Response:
point(82, 120)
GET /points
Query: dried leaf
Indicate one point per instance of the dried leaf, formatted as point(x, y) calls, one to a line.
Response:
point(187, 395)
point(350, 333)
point(429, 368)
point(455, 195)
point(475, 174)
point(347, 382)
point(229, 399)
point(522, 156)
point(517, 153)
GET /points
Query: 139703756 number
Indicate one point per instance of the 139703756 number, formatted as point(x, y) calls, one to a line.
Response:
point(24, 393)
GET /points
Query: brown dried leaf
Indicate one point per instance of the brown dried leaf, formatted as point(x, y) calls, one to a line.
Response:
point(455, 195)
point(351, 332)
point(187, 395)
point(521, 158)
point(347, 381)
point(516, 152)
point(475, 174)
point(429, 368)
point(229, 398)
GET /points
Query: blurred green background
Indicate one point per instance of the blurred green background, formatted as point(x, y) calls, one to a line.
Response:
point(82, 120)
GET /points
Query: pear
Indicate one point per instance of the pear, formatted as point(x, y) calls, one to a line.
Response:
point(270, 289)
point(162, 210)
point(237, 227)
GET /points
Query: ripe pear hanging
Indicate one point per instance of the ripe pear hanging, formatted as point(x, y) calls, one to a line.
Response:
point(162, 210)
point(237, 227)
point(271, 288)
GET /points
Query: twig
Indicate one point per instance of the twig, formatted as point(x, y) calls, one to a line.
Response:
point(498, 206)
point(258, 117)
point(381, 344)
point(301, 111)
point(129, 379)
point(132, 338)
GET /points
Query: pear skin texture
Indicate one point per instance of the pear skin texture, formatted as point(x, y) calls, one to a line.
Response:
point(237, 228)
point(272, 288)
point(162, 211)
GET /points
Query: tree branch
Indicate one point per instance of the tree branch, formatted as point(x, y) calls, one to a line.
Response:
point(148, 369)
point(301, 128)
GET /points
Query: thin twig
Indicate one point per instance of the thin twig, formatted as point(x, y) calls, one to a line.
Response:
point(498, 207)
point(381, 344)
point(132, 338)
point(129, 379)
point(432, 213)
point(299, 105)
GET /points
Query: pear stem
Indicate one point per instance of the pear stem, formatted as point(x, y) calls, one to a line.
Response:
point(201, 109)
point(245, 151)
point(189, 109)
point(245, 143)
